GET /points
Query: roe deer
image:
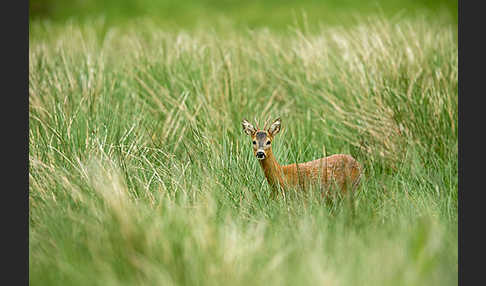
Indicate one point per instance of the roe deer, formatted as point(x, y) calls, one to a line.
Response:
point(341, 169)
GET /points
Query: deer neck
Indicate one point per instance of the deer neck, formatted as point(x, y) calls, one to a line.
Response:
point(272, 170)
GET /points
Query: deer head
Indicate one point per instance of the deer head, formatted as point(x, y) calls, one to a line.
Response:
point(261, 138)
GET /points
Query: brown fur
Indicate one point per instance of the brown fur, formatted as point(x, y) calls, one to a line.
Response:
point(339, 169)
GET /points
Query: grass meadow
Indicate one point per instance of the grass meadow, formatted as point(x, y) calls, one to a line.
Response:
point(140, 174)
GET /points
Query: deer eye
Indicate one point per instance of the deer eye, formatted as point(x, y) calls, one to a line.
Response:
point(254, 142)
point(268, 142)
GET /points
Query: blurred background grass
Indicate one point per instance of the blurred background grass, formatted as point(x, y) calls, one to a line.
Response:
point(274, 14)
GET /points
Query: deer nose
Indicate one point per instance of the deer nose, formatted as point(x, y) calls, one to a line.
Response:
point(260, 154)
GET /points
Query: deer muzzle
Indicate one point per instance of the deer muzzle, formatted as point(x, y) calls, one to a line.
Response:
point(260, 154)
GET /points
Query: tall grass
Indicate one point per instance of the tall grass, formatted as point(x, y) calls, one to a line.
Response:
point(140, 173)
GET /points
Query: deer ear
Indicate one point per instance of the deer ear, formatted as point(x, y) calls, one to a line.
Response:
point(247, 127)
point(275, 127)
